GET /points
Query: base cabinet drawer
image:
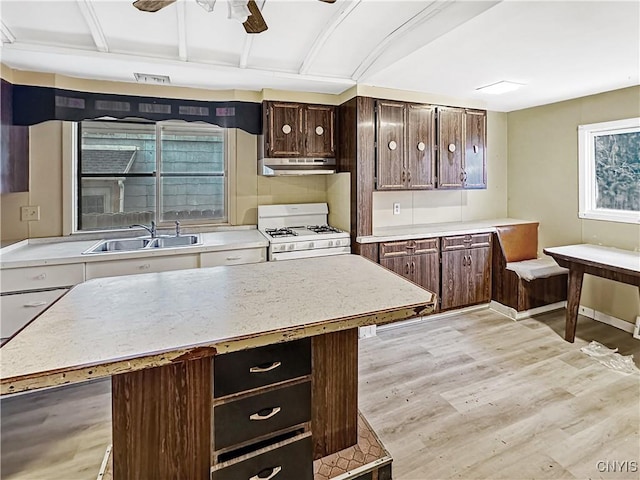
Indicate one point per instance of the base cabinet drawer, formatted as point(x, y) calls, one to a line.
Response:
point(133, 266)
point(251, 417)
point(287, 462)
point(19, 309)
point(258, 367)
point(233, 257)
point(34, 278)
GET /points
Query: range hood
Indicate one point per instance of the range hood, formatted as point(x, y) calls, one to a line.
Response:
point(272, 167)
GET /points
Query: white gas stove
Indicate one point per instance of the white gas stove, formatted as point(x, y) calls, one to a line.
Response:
point(301, 230)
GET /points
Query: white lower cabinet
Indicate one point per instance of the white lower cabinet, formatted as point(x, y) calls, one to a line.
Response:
point(46, 276)
point(114, 268)
point(18, 309)
point(233, 257)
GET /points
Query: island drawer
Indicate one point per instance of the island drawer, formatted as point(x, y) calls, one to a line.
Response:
point(258, 415)
point(140, 265)
point(37, 278)
point(233, 257)
point(258, 367)
point(459, 242)
point(408, 247)
point(286, 461)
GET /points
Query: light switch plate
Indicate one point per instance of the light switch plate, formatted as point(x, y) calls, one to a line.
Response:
point(30, 213)
point(396, 208)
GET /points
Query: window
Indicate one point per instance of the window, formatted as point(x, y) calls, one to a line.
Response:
point(609, 171)
point(130, 173)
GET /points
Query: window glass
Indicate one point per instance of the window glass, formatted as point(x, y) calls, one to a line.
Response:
point(132, 173)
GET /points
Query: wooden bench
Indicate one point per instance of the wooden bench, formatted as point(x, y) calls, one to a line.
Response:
point(521, 280)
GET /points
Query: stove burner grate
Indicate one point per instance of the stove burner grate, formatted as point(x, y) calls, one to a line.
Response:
point(280, 232)
point(323, 229)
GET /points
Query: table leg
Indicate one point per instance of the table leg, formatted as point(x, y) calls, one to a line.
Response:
point(576, 273)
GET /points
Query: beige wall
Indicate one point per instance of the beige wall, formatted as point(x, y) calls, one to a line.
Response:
point(543, 185)
point(436, 206)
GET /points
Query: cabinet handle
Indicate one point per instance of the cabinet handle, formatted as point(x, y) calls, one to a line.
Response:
point(261, 475)
point(462, 176)
point(413, 267)
point(393, 145)
point(262, 369)
point(406, 268)
point(469, 262)
point(421, 146)
point(464, 261)
point(475, 149)
point(42, 276)
point(35, 304)
point(286, 129)
point(258, 415)
point(409, 177)
point(404, 176)
point(145, 266)
point(319, 130)
point(234, 258)
point(451, 147)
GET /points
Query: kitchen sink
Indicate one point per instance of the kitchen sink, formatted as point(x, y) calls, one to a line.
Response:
point(138, 244)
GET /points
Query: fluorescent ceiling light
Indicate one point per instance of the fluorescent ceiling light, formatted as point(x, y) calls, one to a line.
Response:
point(500, 87)
point(149, 78)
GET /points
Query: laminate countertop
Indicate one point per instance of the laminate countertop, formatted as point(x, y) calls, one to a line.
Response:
point(107, 326)
point(413, 232)
point(64, 250)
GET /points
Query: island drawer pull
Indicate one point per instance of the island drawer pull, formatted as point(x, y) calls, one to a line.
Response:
point(34, 304)
point(144, 266)
point(259, 416)
point(260, 476)
point(234, 258)
point(42, 276)
point(263, 369)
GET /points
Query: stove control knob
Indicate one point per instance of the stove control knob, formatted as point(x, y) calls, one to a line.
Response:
point(331, 243)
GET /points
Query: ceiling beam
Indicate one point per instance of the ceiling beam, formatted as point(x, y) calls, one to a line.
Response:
point(7, 35)
point(324, 35)
point(89, 14)
point(429, 11)
point(182, 31)
point(248, 43)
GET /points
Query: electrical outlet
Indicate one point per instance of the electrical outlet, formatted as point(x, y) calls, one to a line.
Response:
point(396, 208)
point(30, 213)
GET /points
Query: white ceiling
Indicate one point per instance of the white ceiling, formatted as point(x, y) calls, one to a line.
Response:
point(557, 49)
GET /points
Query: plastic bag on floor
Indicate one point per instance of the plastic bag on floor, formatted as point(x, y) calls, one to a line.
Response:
point(611, 358)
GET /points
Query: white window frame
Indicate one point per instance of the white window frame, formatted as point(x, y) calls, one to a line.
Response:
point(70, 186)
point(587, 170)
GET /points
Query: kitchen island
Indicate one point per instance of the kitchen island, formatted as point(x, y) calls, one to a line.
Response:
point(162, 337)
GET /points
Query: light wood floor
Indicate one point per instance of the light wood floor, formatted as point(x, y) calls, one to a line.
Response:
point(478, 396)
point(473, 396)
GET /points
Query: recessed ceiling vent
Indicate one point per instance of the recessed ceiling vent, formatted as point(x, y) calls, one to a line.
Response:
point(154, 79)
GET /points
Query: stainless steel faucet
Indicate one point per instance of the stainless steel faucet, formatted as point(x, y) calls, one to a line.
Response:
point(152, 231)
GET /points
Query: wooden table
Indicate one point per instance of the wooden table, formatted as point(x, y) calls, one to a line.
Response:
point(606, 262)
point(158, 334)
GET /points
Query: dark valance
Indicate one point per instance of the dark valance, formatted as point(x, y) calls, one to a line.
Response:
point(32, 105)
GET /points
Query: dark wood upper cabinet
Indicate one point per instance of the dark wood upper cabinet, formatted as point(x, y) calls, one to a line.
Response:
point(298, 130)
point(450, 147)
point(14, 148)
point(475, 164)
point(420, 134)
point(461, 148)
point(319, 130)
point(391, 164)
point(405, 146)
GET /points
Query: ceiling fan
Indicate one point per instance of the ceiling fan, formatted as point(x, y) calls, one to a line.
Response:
point(246, 11)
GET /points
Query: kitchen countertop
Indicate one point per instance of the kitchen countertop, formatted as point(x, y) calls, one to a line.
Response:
point(113, 325)
point(409, 232)
point(29, 253)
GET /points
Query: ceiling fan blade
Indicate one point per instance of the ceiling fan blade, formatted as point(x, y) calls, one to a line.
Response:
point(152, 5)
point(255, 23)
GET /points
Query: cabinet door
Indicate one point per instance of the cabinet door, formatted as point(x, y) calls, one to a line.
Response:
point(426, 271)
point(319, 131)
point(454, 279)
point(400, 265)
point(390, 168)
point(479, 270)
point(475, 166)
point(420, 146)
point(450, 147)
point(284, 129)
